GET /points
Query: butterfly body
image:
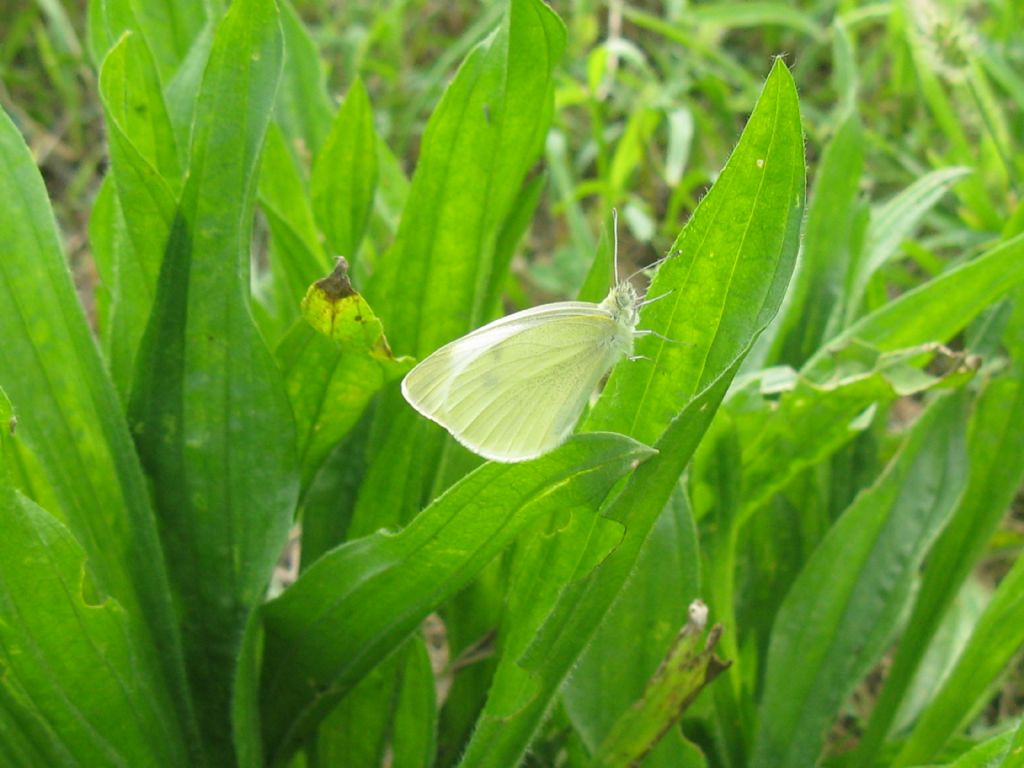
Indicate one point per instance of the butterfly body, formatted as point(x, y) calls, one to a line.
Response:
point(515, 388)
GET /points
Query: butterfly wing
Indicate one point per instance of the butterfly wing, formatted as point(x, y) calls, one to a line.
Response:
point(514, 389)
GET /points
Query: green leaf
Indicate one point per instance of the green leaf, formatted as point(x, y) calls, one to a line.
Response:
point(72, 428)
point(526, 681)
point(990, 753)
point(996, 640)
point(844, 606)
point(1016, 747)
point(713, 293)
point(938, 309)
point(296, 256)
point(996, 460)
point(389, 717)
point(891, 223)
point(614, 669)
point(209, 410)
point(824, 260)
point(415, 718)
point(434, 283)
point(798, 423)
point(356, 731)
point(145, 170)
point(612, 672)
point(345, 174)
point(357, 603)
point(303, 108)
point(76, 685)
point(169, 28)
point(479, 144)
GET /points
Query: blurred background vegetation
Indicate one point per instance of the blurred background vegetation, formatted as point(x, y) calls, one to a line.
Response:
point(651, 97)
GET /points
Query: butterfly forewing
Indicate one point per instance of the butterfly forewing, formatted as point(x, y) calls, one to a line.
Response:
point(514, 389)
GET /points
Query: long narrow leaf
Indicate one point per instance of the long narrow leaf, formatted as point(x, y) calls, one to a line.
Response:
point(210, 414)
point(844, 606)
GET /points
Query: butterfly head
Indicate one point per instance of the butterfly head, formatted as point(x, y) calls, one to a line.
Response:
point(624, 304)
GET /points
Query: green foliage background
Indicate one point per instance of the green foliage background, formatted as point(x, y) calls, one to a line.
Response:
point(824, 442)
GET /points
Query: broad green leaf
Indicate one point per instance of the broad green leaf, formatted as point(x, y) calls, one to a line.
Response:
point(75, 683)
point(209, 410)
point(752, 287)
point(938, 309)
point(134, 104)
point(996, 460)
point(526, 683)
point(357, 603)
point(245, 714)
point(72, 427)
point(805, 422)
point(777, 426)
point(75, 688)
point(144, 167)
point(826, 253)
point(997, 639)
point(713, 293)
point(845, 605)
point(110, 246)
point(479, 144)
point(345, 175)
point(296, 256)
point(303, 108)
point(180, 91)
point(169, 28)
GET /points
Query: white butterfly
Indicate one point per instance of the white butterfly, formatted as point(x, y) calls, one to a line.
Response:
point(515, 388)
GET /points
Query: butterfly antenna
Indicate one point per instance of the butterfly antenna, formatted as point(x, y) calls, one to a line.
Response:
point(655, 264)
point(615, 243)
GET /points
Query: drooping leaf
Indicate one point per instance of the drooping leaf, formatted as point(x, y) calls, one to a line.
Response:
point(334, 364)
